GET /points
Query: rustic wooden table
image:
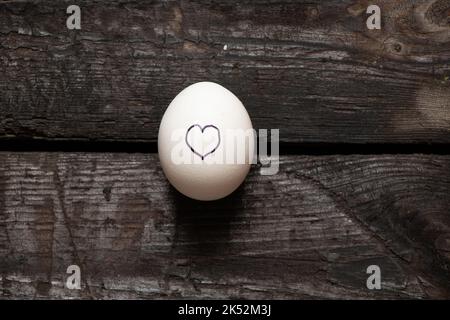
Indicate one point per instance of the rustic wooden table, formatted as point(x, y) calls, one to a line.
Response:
point(364, 118)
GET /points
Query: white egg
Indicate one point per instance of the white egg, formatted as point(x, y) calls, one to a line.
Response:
point(206, 142)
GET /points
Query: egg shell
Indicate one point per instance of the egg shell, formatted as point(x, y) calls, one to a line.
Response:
point(197, 124)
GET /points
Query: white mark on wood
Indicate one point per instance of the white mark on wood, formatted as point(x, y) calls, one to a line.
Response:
point(433, 103)
point(25, 31)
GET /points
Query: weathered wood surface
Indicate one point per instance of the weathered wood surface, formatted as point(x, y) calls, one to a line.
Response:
point(309, 67)
point(308, 232)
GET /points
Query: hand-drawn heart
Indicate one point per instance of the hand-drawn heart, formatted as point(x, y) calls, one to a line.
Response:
point(196, 136)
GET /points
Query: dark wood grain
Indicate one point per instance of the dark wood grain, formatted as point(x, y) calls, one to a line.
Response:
point(310, 67)
point(308, 232)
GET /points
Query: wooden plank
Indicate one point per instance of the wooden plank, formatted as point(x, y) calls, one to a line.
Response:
point(310, 67)
point(308, 232)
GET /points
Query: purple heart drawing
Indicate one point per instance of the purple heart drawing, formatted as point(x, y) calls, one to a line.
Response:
point(202, 129)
